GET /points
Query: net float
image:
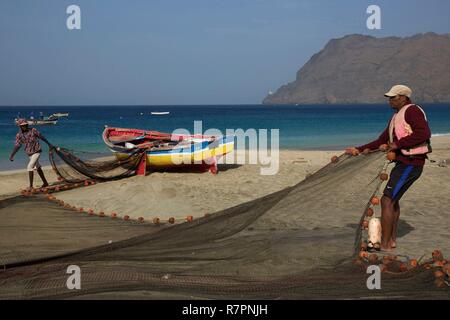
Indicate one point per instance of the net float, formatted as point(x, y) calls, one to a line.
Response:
point(141, 219)
point(437, 255)
point(60, 178)
point(403, 267)
point(375, 201)
point(91, 212)
point(439, 274)
point(369, 212)
point(81, 209)
point(355, 152)
point(86, 183)
point(439, 263)
point(101, 214)
point(189, 218)
point(413, 263)
point(155, 220)
point(384, 177)
point(335, 159)
point(171, 220)
point(391, 156)
point(113, 215)
point(126, 218)
point(363, 254)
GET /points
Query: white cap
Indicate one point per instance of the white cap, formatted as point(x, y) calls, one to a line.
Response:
point(399, 90)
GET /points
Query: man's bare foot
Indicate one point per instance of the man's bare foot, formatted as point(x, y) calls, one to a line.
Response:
point(386, 247)
point(393, 244)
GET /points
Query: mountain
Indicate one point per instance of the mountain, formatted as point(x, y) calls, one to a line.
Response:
point(360, 69)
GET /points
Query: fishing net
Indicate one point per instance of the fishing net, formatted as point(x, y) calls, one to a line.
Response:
point(76, 166)
point(299, 242)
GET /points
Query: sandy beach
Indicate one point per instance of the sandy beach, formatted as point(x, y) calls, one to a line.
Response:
point(423, 227)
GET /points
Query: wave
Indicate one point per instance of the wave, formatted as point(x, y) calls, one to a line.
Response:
point(440, 134)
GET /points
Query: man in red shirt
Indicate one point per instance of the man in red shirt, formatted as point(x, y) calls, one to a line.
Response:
point(30, 137)
point(408, 168)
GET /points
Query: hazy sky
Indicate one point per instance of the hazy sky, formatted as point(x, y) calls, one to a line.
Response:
point(180, 51)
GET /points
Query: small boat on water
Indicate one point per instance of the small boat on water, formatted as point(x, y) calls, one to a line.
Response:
point(165, 149)
point(39, 122)
point(60, 114)
point(159, 113)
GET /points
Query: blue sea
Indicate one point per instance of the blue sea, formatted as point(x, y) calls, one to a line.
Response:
point(301, 127)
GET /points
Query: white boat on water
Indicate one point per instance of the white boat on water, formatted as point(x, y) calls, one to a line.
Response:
point(60, 114)
point(158, 113)
point(37, 122)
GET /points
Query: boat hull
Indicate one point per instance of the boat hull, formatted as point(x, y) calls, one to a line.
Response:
point(202, 150)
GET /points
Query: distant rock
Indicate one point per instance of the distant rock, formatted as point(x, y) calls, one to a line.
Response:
point(360, 69)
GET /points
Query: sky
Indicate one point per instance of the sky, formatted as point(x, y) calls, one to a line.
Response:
point(179, 52)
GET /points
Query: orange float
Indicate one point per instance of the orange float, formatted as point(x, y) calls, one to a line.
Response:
point(156, 221)
point(86, 183)
point(391, 156)
point(384, 177)
point(365, 224)
point(101, 214)
point(141, 219)
point(171, 220)
point(413, 263)
point(126, 217)
point(439, 274)
point(403, 267)
point(446, 269)
point(369, 212)
point(355, 152)
point(189, 218)
point(335, 159)
point(437, 255)
point(363, 254)
point(91, 212)
point(113, 215)
point(81, 209)
point(375, 201)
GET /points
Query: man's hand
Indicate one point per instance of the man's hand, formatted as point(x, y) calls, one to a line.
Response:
point(384, 147)
point(392, 146)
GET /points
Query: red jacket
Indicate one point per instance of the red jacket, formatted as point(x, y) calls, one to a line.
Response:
point(421, 133)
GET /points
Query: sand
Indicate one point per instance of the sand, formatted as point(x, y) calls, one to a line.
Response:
point(425, 219)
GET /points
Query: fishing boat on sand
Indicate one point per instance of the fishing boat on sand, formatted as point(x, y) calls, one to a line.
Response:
point(168, 150)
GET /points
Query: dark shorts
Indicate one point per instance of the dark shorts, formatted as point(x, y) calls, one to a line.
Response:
point(402, 177)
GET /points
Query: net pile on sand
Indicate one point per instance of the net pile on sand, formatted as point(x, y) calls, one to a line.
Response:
point(297, 243)
point(76, 166)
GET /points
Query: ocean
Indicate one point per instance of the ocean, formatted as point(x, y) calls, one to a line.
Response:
point(300, 127)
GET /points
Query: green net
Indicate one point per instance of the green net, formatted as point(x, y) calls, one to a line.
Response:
point(300, 242)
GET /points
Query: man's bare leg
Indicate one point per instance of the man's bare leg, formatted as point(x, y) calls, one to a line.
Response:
point(395, 226)
point(41, 174)
point(31, 177)
point(387, 222)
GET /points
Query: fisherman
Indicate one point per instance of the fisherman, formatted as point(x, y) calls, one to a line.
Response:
point(408, 135)
point(30, 137)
